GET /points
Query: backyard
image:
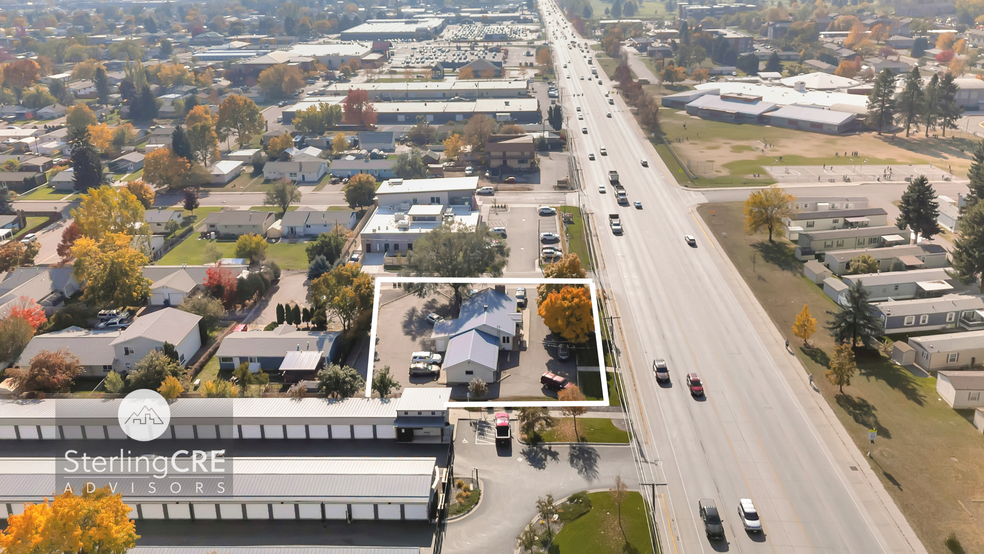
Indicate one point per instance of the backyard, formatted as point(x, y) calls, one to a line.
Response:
point(192, 250)
point(47, 193)
point(927, 455)
point(576, 241)
point(599, 531)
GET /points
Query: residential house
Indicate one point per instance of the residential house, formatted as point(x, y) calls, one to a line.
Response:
point(822, 220)
point(93, 348)
point(233, 223)
point(64, 181)
point(961, 389)
point(381, 140)
point(311, 223)
point(197, 272)
point(151, 331)
point(899, 285)
point(36, 164)
point(297, 354)
point(881, 64)
point(486, 324)
point(380, 169)
point(158, 219)
point(127, 163)
point(952, 311)
point(53, 111)
point(172, 289)
point(821, 66)
point(484, 69)
point(900, 42)
point(224, 171)
point(245, 155)
point(52, 148)
point(14, 110)
point(49, 287)
point(512, 152)
point(814, 243)
point(827, 203)
point(891, 258)
point(83, 89)
point(949, 215)
point(305, 172)
point(20, 181)
point(949, 350)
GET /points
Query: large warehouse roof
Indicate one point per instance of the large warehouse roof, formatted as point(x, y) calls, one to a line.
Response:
point(450, 86)
point(813, 115)
point(785, 96)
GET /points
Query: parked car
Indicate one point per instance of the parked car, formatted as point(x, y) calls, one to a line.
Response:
point(521, 299)
point(114, 324)
point(424, 369)
point(551, 252)
point(749, 515)
point(554, 382)
point(549, 237)
point(662, 372)
point(355, 258)
point(547, 210)
point(712, 521)
point(503, 434)
point(485, 191)
point(29, 238)
point(690, 240)
point(694, 384)
point(426, 357)
point(469, 170)
point(501, 231)
point(433, 318)
point(509, 179)
point(105, 315)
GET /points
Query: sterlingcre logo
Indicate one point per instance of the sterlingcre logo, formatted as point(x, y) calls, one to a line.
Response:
point(144, 415)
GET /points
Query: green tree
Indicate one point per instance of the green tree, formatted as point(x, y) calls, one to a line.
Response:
point(253, 247)
point(919, 47)
point(102, 85)
point(749, 63)
point(88, 171)
point(151, 371)
point(555, 117)
point(911, 100)
point(881, 101)
point(383, 382)
point(318, 267)
point(245, 378)
point(931, 100)
point(346, 294)
point(327, 245)
point(180, 144)
point(295, 313)
point(545, 507)
point(37, 98)
point(968, 249)
point(410, 165)
point(341, 382)
point(78, 119)
point(242, 115)
point(360, 191)
point(975, 175)
point(853, 321)
point(282, 195)
point(531, 419)
point(774, 64)
point(863, 264)
point(528, 540)
point(6, 201)
point(950, 110)
point(919, 209)
point(208, 308)
point(165, 49)
point(842, 366)
point(455, 251)
point(114, 383)
point(281, 314)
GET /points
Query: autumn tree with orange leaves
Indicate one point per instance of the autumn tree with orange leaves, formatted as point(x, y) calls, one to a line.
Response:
point(31, 311)
point(358, 109)
point(568, 313)
point(47, 372)
point(95, 521)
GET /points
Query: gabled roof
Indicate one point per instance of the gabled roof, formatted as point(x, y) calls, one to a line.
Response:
point(317, 217)
point(296, 167)
point(489, 308)
point(951, 342)
point(238, 217)
point(197, 272)
point(830, 214)
point(474, 346)
point(159, 216)
point(276, 343)
point(92, 348)
point(179, 280)
point(168, 325)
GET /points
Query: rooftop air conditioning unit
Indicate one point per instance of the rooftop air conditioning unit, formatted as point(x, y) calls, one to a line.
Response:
point(396, 182)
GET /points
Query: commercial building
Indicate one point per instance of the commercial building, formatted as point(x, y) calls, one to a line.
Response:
point(815, 120)
point(393, 231)
point(331, 54)
point(518, 110)
point(444, 90)
point(396, 29)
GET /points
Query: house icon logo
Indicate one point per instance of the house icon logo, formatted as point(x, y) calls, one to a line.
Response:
point(144, 415)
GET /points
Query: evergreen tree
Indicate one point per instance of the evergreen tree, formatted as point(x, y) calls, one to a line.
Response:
point(166, 48)
point(6, 201)
point(617, 9)
point(919, 209)
point(684, 32)
point(968, 249)
point(180, 144)
point(102, 85)
point(318, 267)
point(881, 101)
point(128, 92)
point(854, 321)
point(774, 64)
point(911, 99)
point(931, 108)
point(281, 315)
point(85, 160)
point(950, 111)
point(295, 313)
point(976, 176)
point(749, 63)
point(144, 105)
point(919, 47)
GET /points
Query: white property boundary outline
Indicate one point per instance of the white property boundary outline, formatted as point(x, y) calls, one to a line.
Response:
point(496, 281)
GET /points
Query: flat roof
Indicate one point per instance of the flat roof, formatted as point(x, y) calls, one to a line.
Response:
point(416, 186)
point(878, 230)
point(451, 85)
point(426, 209)
point(785, 96)
point(919, 306)
point(813, 115)
point(898, 277)
point(384, 221)
point(965, 380)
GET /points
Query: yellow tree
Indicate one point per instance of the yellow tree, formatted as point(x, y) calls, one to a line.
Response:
point(958, 66)
point(946, 41)
point(842, 366)
point(466, 73)
point(91, 522)
point(101, 136)
point(85, 70)
point(200, 125)
point(111, 270)
point(767, 208)
point(568, 313)
point(277, 145)
point(173, 74)
point(805, 324)
point(960, 47)
point(856, 35)
point(847, 68)
point(108, 210)
point(543, 57)
point(251, 246)
point(242, 115)
point(143, 192)
point(164, 168)
point(452, 146)
point(280, 80)
point(568, 267)
point(171, 388)
point(339, 143)
point(700, 74)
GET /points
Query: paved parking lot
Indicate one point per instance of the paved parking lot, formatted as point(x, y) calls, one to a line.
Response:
point(407, 331)
point(523, 227)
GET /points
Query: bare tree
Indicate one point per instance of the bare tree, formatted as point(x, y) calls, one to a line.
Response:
point(619, 492)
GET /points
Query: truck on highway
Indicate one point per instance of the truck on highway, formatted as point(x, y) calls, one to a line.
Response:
point(619, 189)
point(613, 177)
point(615, 223)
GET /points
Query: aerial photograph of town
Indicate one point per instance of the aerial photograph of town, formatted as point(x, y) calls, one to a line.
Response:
point(531, 277)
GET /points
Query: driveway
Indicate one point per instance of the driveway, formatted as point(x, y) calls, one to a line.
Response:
point(406, 330)
point(292, 289)
point(512, 479)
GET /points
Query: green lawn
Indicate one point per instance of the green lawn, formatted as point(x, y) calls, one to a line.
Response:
point(246, 181)
point(211, 370)
point(192, 218)
point(134, 176)
point(30, 223)
point(598, 531)
point(926, 455)
point(589, 383)
point(272, 209)
point(589, 429)
point(576, 241)
point(46, 193)
point(191, 250)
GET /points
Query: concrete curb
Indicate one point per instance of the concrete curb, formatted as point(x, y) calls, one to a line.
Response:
point(481, 498)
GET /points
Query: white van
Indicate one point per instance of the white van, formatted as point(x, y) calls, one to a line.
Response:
point(425, 357)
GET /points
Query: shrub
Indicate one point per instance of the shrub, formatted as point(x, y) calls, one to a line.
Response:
point(952, 543)
point(576, 506)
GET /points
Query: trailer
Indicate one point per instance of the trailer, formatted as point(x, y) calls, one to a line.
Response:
point(615, 223)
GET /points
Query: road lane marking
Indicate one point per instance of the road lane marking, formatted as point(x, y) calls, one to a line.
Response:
point(693, 215)
point(669, 525)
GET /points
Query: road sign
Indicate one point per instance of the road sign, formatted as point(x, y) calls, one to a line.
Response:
point(872, 435)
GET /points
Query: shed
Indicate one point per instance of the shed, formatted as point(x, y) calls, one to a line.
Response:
point(301, 364)
point(903, 354)
point(961, 389)
point(816, 271)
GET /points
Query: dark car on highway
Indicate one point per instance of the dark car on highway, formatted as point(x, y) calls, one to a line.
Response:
point(712, 521)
